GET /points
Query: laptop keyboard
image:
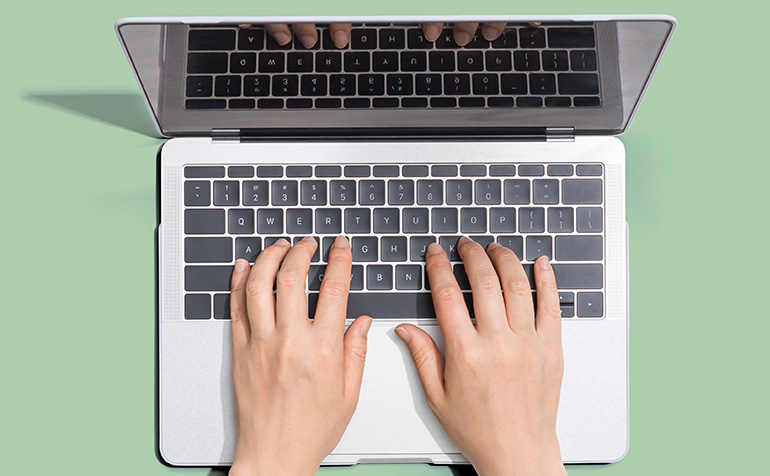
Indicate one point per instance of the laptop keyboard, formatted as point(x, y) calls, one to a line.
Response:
point(393, 66)
point(391, 213)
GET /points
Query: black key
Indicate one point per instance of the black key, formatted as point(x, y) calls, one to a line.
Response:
point(473, 220)
point(416, 39)
point(399, 84)
point(498, 60)
point(414, 61)
point(313, 85)
point(228, 86)
point(529, 102)
point(414, 102)
point(226, 193)
point(582, 101)
point(328, 42)
point(531, 220)
point(386, 220)
point(356, 61)
point(502, 220)
point(513, 243)
point(364, 249)
point(271, 44)
point(270, 171)
point(207, 278)
point(430, 192)
point(590, 305)
point(555, 60)
point(240, 171)
point(526, 60)
point(443, 102)
point(197, 193)
point(221, 306)
point(248, 248)
point(315, 277)
point(385, 102)
point(444, 220)
point(271, 240)
point(197, 306)
point(241, 104)
point(538, 246)
point(393, 248)
point(206, 63)
point(385, 61)
point(488, 192)
point(532, 37)
point(356, 103)
point(414, 170)
point(485, 84)
point(545, 191)
point(363, 39)
point(475, 170)
point(567, 310)
point(199, 86)
point(470, 61)
point(358, 220)
point(371, 84)
point(328, 171)
point(342, 85)
point(566, 298)
point(579, 248)
point(299, 221)
point(572, 84)
point(240, 221)
point(513, 84)
point(371, 192)
point(284, 192)
point(507, 39)
point(408, 277)
point(251, 39)
point(258, 85)
point(586, 170)
point(559, 170)
point(461, 277)
point(558, 102)
point(447, 39)
point(428, 84)
point(328, 221)
point(392, 39)
point(502, 170)
point(327, 245)
point(542, 84)
point(589, 220)
point(208, 39)
point(499, 102)
point(211, 250)
point(582, 191)
point(477, 41)
point(583, 60)
point(357, 171)
point(574, 37)
point(401, 192)
point(415, 220)
point(269, 222)
point(459, 192)
point(300, 62)
point(516, 192)
point(441, 60)
point(531, 170)
point(313, 192)
point(449, 243)
point(418, 245)
point(271, 62)
point(243, 62)
point(457, 84)
point(386, 170)
point(387, 305)
point(443, 170)
point(357, 277)
point(484, 241)
point(255, 192)
point(578, 276)
point(561, 220)
point(328, 62)
point(299, 171)
point(379, 277)
point(270, 104)
point(285, 85)
point(205, 104)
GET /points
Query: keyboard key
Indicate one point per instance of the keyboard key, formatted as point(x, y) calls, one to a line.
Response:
point(502, 170)
point(197, 306)
point(328, 221)
point(542, 84)
point(414, 170)
point(447, 40)
point(418, 245)
point(258, 85)
point(414, 61)
point(430, 192)
point(414, 102)
point(573, 37)
point(581, 101)
point(578, 276)
point(579, 248)
point(583, 60)
point(555, 60)
point(271, 44)
point(580, 191)
point(560, 220)
point(531, 220)
point(470, 60)
point(197, 193)
point(488, 192)
point(539, 246)
point(475, 170)
point(502, 220)
point(567, 311)
point(590, 304)
point(207, 278)
point(526, 60)
point(532, 37)
point(208, 250)
point(513, 84)
point(206, 63)
point(428, 84)
point(356, 61)
point(226, 193)
point(507, 39)
point(408, 277)
point(443, 102)
point(270, 171)
point(379, 277)
point(416, 39)
point(227, 86)
point(357, 171)
point(357, 277)
point(559, 170)
point(589, 220)
point(485, 84)
point(385, 102)
point(313, 192)
point(386, 171)
point(271, 240)
point(243, 63)
point(328, 43)
point(385, 61)
point(461, 277)
point(240, 171)
point(240, 221)
point(371, 192)
point(251, 39)
point(449, 243)
point(566, 298)
point(386, 220)
point(371, 84)
point(363, 39)
point(498, 60)
point(441, 60)
point(328, 62)
point(546, 191)
point(457, 84)
point(499, 102)
point(342, 192)
point(415, 220)
point(484, 241)
point(392, 39)
point(513, 243)
point(299, 221)
point(401, 192)
point(199, 86)
point(328, 171)
point(315, 277)
point(284, 193)
point(327, 245)
point(248, 248)
point(531, 170)
point(269, 222)
point(574, 84)
point(271, 62)
point(313, 85)
point(443, 171)
point(255, 192)
point(221, 306)
point(299, 171)
point(589, 170)
point(299, 62)
point(529, 102)
point(342, 85)
point(358, 220)
point(473, 220)
point(285, 85)
point(205, 104)
point(444, 220)
point(400, 84)
point(204, 172)
point(364, 249)
point(393, 248)
point(558, 102)
point(516, 192)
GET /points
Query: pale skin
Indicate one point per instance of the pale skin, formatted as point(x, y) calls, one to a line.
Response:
point(495, 390)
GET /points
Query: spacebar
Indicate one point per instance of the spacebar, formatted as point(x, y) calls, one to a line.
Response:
point(386, 305)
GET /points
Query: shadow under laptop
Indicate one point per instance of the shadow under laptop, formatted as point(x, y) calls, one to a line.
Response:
point(122, 109)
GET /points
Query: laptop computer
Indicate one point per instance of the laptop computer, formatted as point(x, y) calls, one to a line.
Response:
point(394, 141)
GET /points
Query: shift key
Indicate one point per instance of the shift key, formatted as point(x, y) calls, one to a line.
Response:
point(207, 278)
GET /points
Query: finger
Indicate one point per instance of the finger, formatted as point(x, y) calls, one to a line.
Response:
point(333, 298)
point(260, 303)
point(428, 361)
point(451, 311)
point(290, 299)
point(340, 33)
point(432, 30)
point(493, 30)
point(306, 33)
point(548, 320)
point(239, 318)
point(279, 31)
point(517, 292)
point(464, 32)
point(355, 355)
point(488, 301)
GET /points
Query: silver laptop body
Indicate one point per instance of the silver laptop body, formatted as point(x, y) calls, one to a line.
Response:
point(236, 148)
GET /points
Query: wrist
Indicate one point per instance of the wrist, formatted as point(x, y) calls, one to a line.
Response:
point(254, 463)
point(537, 460)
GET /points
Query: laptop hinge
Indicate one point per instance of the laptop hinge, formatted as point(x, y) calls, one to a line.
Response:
point(226, 135)
point(560, 134)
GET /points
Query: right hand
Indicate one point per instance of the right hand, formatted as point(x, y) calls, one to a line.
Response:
point(497, 391)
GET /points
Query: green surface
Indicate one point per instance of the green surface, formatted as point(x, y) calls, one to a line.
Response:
point(78, 215)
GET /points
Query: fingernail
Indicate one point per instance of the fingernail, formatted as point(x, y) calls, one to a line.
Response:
point(282, 243)
point(462, 38)
point(307, 40)
point(365, 327)
point(403, 334)
point(308, 239)
point(340, 39)
point(340, 242)
point(493, 245)
point(543, 262)
point(490, 33)
point(433, 249)
point(282, 37)
point(241, 265)
point(431, 32)
point(463, 240)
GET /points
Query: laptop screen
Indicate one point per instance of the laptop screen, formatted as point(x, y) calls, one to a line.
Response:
point(393, 76)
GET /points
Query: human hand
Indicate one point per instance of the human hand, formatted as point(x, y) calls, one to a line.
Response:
point(296, 381)
point(497, 391)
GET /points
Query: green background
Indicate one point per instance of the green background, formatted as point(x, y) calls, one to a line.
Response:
point(78, 215)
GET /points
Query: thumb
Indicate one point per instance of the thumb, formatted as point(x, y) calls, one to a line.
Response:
point(427, 358)
point(355, 354)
